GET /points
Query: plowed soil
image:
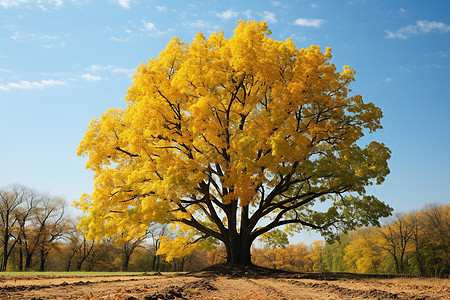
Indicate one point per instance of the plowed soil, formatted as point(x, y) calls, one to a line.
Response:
point(222, 282)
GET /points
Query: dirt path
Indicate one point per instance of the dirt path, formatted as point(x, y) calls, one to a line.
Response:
point(213, 286)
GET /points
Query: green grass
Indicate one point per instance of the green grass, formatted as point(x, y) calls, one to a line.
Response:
point(35, 273)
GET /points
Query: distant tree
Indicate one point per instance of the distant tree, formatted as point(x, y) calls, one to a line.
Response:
point(78, 247)
point(129, 245)
point(333, 254)
point(437, 231)
point(103, 257)
point(217, 255)
point(316, 256)
point(10, 200)
point(52, 224)
point(23, 215)
point(397, 238)
point(418, 238)
point(364, 253)
point(47, 223)
point(220, 134)
point(157, 231)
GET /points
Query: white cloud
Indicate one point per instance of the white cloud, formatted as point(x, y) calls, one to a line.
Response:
point(276, 3)
point(202, 24)
point(309, 22)
point(150, 29)
point(421, 27)
point(55, 3)
point(228, 14)
point(124, 3)
point(27, 85)
point(160, 8)
point(148, 26)
point(402, 11)
point(32, 36)
point(90, 77)
point(269, 16)
point(42, 4)
point(12, 3)
point(441, 53)
point(299, 38)
point(112, 70)
point(248, 13)
point(388, 80)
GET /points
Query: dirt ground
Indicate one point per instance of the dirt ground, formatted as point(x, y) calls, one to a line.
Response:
point(223, 283)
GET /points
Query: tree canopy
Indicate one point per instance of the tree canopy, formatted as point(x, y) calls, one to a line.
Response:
point(220, 134)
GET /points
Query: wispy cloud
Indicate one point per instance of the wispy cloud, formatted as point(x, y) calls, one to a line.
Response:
point(148, 26)
point(28, 85)
point(248, 14)
point(12, 3)
point(441, 53)
point(150, 29)
point(47, 41)
point(54, 3)
point(276, 3)
point(228, 14)
point(309, 22)
point(42, 4)
point(202, 24)
point(160, 8)
point(90, 77)
point(421, 27)
point(124, 3)
point(269, 16)
point(115, 70)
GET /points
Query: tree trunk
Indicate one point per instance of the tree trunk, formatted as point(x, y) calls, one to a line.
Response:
point(43, 257)
point(125, 261)
point(155, 263)
point(238, 251)
point(6, 242)
point(69, 264)
point(28, 261)
point(20, 258)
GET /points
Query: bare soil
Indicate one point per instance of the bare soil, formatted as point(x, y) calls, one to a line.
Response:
point(224, 282)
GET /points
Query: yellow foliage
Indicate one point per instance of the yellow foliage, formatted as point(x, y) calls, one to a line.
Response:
point(213, 122)
point(179, 247)
point(363, 254)
point(292, 258)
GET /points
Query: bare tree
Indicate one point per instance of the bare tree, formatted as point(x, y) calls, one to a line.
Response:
point(47, 223)
point(52, 222)
point(418, 238)
point(437, 224)
point(78, 246)
point(23, 214)
point(10, 200)
point(397, 236)
point(157, 231)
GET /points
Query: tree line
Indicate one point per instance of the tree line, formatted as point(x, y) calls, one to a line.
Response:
point(38, 234)
point(416, 243)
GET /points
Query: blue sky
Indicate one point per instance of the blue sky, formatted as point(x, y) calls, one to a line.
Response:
point(64, 62)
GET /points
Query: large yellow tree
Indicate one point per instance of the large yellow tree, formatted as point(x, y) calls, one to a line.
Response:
point(220, 134)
